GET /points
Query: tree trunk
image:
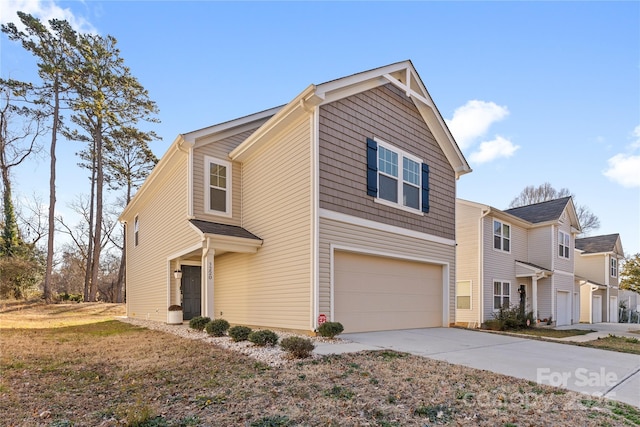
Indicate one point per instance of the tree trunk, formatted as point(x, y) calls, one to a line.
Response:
point(97, 235)
point(48, 297)
point(89, 261)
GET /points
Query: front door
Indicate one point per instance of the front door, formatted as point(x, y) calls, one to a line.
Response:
point(190, 291)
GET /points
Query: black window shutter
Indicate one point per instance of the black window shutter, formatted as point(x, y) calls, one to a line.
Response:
point(425, 188)
point(372, 167)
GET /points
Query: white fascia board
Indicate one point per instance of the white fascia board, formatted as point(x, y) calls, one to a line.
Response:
point(191, 137)
point(286, 115)
point(359, 78)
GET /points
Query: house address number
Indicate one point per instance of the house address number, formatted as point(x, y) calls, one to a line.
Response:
point(210, 270)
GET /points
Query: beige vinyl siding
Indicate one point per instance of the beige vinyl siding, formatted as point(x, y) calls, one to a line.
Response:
point(592, 267)
point(545, 295)
point(355, 237)
point(388, 114)
point(272, 288)
point(585, 303)
point(164, 230)
point(500, 265)
point(468, 256)
point(219, 150)
point(541, 246)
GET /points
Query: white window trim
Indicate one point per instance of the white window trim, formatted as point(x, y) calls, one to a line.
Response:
point(470, 294)
point(568, 251)
point(502, 295)
point(207, 161)
point(613, 269)
point(400, 178)
point(136, 231)
point(493, 235)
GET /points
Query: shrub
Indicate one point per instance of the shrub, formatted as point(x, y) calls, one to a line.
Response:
point(198, 323)
point(239, 333)
point(297, 347)
point(263, 337)
point(330, 329)
point(511, 318)
point(217, 327)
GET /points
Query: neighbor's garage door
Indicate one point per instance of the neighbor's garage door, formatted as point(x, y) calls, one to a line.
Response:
point(374, 293)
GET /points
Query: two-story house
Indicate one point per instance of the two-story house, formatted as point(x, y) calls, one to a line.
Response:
point(521, 254)
point(596, 267)
point(339, 205)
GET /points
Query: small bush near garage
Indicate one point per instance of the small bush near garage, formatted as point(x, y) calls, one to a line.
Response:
point(217, 327)
point(510, 318)
point(263, 338)
point(198, 323)
point(239, 333)
point(330, 329)
point(297, 347)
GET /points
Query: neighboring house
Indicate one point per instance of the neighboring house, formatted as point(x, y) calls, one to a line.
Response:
point(337, 205)
point(505, 255)
point(596, 266)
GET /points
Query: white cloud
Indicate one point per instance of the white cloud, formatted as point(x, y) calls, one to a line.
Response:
point(495, 149)
point(43, 10)
point(472, 120)
point(624, 168)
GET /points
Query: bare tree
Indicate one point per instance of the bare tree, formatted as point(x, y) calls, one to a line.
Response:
point(588, 220)
point(20, 128)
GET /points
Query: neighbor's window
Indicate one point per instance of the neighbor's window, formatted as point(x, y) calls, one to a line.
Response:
point(218, 188)
point(563, 244)
point(402, 189)
point(614, 267)
point(136, 228)
point(501, 236)
point(501, 294)
point(463, 295)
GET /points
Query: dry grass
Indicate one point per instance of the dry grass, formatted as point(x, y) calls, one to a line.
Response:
point(36, 314)
point(617, 343)
point(111, 373)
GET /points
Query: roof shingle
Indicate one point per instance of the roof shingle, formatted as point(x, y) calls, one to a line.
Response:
point(550, 210)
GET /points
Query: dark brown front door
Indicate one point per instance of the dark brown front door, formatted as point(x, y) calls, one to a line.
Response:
point(190, 291)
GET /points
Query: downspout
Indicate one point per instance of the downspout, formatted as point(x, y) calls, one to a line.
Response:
point(607, 283)
point(484, 213)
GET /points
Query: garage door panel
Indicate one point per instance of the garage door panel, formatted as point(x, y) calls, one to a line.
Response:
point(373, 293)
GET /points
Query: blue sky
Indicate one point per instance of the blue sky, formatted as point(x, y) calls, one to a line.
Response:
point(533, 92)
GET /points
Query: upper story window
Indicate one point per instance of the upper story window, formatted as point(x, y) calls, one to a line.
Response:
point(136, 229)
point(396, 177)
point(217, 186)
point(501, 295)
point(614, 267)
point(563, 244)
point(501, 236)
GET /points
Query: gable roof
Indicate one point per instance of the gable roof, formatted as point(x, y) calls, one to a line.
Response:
point(401, 74)
point(550, 210)
point(598, 244)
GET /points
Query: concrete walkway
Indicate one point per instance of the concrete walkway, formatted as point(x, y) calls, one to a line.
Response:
point(591, 371)
point(602, 330)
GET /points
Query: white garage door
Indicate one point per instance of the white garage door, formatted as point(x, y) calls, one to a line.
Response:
point(374, 293)
point(563, 312)
point(596, 309)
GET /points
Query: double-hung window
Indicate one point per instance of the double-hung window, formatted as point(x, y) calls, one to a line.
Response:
point(563, 244)
point(614, 267)
point(501, 236)
point(501, 294)
point(396, 177)
point(217, 186)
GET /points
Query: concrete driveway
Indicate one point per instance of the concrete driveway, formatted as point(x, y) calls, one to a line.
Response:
point(591, 371)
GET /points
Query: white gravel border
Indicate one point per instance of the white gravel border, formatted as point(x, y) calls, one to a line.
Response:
point(270, 355)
